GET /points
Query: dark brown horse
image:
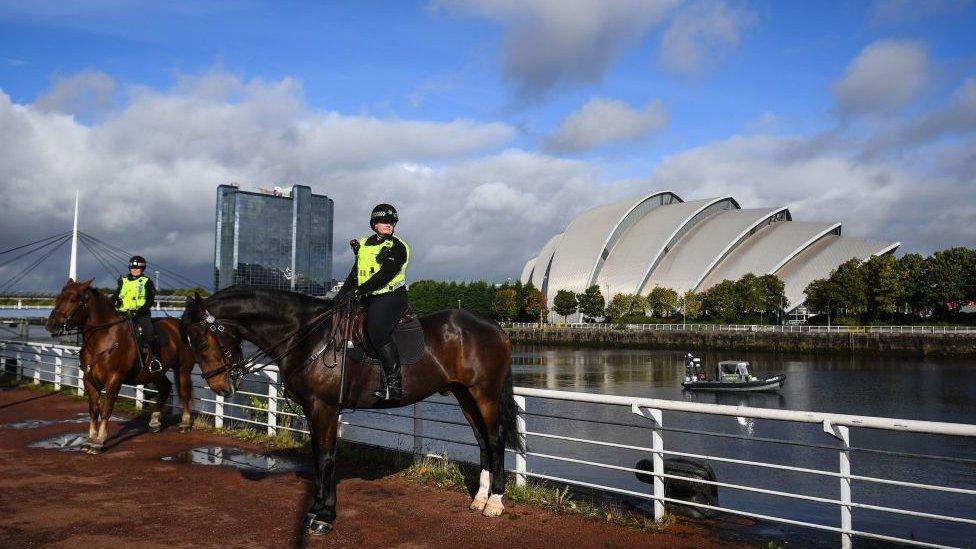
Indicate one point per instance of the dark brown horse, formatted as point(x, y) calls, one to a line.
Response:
point(466, 355)
point(109, 357)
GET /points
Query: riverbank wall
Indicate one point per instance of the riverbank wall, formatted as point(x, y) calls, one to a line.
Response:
point(933, 344)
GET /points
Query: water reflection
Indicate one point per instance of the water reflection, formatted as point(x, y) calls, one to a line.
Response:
point(251, 464)
point(71, 442)
point(38, 423)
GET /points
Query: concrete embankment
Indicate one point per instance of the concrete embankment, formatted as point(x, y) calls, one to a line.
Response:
point(948, 344)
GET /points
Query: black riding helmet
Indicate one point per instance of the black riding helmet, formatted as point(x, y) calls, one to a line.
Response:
point(383, 213)
point(137, 262)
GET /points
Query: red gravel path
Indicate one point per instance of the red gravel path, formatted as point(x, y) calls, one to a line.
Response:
point(127, 497)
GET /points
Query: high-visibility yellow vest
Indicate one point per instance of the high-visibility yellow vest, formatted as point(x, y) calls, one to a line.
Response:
point(367, 264)
point(133, 293)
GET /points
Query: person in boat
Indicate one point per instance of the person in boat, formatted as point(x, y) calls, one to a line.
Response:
point(378, 281)
point(133, 298)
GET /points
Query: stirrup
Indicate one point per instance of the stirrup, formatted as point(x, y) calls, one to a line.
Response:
point(155, 366)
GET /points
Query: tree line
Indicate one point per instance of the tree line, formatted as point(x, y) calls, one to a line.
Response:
point(909, 288)
point(751, 299)
point(510, 302)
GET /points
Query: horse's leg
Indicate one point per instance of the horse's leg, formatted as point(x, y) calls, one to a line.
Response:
point(490, 414)
point(185, 388)
point(164, 387)
point(93, 396)
point(473, 415)
point(323, 425)
point(111, 393)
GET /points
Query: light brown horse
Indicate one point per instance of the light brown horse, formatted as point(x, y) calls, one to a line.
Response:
point(465, 354)
point(109, 357)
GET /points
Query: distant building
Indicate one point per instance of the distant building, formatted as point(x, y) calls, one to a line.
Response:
point(273, 239)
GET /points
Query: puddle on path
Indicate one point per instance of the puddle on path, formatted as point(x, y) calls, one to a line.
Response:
point(252, 465)
point(70, 442)
point(37, 423)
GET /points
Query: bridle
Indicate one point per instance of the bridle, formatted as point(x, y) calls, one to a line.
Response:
point(69, 323)
point(236, 369)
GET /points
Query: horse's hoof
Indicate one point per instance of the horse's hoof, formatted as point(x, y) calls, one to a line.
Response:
point(184, 428)
point(478, 504)
point(86, 445)
point(155, 427)
point(494, 507)
point(316, 527)
point(95, 449)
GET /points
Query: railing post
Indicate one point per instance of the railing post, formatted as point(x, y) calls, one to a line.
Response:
point(418, 434)
point(272, 402)
point(37, 366)
point(842, 432)
point(140, 395)
point(19, 365)
point(3, 358)
point(657, 446)
point(59, 353)
point(219, 411)
point(520, 462)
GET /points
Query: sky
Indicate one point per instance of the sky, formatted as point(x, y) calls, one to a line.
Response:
point(490, 124)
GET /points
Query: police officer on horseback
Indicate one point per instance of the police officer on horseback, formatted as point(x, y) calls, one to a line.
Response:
point(378, 281)
point(133, 298)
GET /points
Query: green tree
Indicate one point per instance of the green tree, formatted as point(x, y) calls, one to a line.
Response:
point(620, 306)
point(774, 294)
point(948, 271)
point(721, 302)
point(821, 296)
point(565, 303)
point(882, 284)
point(591, 303)
point(638, 305)
point(534, 305)
point(848, 286)
point(690, 305)
point(914, 285)
point(662, 301)
point(504, 304)
point(749, 294)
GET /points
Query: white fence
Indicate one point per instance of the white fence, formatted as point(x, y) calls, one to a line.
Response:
point(752, 328)
point(605, 414)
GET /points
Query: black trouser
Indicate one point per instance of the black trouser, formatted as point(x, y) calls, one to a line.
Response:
point(148, 332)
point(383, 311)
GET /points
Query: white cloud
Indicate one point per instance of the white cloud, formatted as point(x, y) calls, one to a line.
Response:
point(148, 173)
point(701, 31)
point(554, 43)
point(885, 76)
point(602, 121)
point(84, 93)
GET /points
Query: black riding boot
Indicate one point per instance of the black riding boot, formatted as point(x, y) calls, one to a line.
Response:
point(391, 382)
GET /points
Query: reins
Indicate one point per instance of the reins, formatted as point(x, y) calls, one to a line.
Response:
point(247, 365)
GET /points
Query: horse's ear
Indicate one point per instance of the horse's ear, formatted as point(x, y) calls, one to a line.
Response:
point(88, 282)
point(197, 298)
point(70, 281)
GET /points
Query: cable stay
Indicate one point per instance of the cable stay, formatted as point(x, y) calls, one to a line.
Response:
point(10, 283)
point(15, 248)
point(122, 256)
point(50, 241)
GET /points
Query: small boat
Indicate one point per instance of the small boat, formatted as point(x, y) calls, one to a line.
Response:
point(730, 375)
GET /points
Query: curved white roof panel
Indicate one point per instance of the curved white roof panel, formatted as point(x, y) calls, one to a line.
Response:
point(590, 239)
point(647, 241)
point(541, 270)
point(527, 271)
point(768, 250)
point(825, 255)
point(705, 244)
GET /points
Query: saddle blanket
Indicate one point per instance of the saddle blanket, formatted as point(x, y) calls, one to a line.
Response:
point(409, 338)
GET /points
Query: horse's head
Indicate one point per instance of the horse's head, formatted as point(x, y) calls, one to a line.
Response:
point(216, 346)
point(70, 307)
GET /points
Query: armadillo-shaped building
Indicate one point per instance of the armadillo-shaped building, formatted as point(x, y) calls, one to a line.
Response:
point(633, 246)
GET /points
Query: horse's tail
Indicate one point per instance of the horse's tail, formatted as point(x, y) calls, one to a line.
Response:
point(509, 416)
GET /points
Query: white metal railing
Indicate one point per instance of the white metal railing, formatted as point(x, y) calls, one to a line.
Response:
point(749, 328)
point(56, 364)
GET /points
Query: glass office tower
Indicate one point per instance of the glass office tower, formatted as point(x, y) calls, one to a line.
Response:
point(273, 239)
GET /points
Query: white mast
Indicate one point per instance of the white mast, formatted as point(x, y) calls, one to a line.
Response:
point(73, 266)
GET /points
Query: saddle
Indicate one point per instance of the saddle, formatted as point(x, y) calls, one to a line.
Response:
point(408, 336)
